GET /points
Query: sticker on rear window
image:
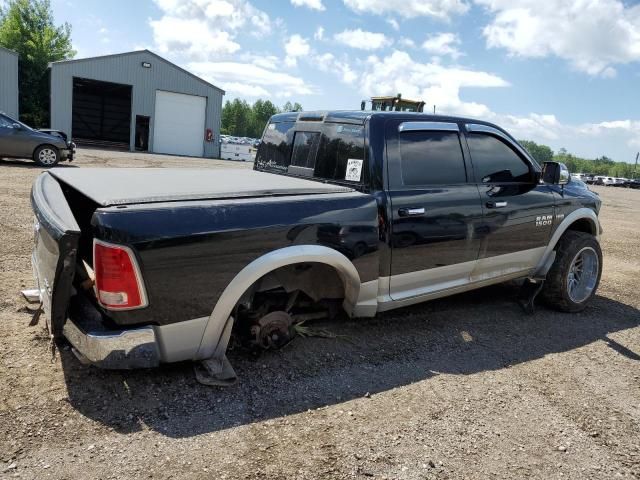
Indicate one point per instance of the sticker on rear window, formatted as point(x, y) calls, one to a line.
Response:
point(354, 170)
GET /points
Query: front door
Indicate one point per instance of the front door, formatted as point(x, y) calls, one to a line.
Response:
point(13, 140)
point(435, 209)
point(518, 210)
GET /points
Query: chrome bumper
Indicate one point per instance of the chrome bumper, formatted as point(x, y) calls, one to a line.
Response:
point(125, 349)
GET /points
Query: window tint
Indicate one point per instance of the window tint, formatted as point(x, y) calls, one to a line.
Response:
point(431, 158)
point(273, 152)
point(340, 144)
point(5, 123)
point(494, 161)
point(305, 148)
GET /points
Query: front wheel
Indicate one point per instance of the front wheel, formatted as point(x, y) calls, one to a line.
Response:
point(46, 156)
point(575, 273)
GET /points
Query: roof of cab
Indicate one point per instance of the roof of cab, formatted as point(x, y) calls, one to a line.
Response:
point(360, 116)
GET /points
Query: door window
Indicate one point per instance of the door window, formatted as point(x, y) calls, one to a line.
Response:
point(431, 158)
point(494, 161)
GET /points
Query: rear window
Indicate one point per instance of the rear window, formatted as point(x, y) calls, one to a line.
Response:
point(333, 152)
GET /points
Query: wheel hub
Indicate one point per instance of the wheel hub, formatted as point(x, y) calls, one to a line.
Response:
point(582, 275)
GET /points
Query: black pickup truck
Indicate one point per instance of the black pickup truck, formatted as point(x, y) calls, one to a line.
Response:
point(367, 211)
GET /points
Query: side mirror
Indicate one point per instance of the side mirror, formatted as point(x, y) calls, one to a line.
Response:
point(16, 126)
point(555, 173)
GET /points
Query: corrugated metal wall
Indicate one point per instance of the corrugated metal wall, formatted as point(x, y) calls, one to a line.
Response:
point(9, 82)
point(127, 69)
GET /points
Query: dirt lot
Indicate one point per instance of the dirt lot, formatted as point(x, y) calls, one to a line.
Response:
point(464, 387)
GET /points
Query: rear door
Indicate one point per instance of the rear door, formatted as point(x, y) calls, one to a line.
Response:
point(435, 209)
point(518, 209)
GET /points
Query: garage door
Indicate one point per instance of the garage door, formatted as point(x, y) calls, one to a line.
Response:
point(179, 124)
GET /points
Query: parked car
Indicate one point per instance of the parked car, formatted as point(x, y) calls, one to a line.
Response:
point(45, 147)
point(608, 181)
point(356, 210)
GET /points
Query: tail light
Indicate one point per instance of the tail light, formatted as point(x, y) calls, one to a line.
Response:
point(118, 280)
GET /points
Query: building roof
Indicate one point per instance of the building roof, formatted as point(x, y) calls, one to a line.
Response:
point(9, 51)
point(138, 52)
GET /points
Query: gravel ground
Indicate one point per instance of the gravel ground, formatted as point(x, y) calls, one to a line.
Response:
point(463, 387)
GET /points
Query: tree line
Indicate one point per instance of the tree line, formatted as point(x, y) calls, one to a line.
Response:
point(27, 27)
point(243, 120)
point(598, 166)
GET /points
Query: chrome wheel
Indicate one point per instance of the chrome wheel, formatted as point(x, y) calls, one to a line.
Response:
point(47, 156)
point(583, 275)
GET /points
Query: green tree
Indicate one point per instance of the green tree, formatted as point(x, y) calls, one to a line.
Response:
point(541, 153)
point(243, 120)
point(27, 27)
point(289, 107)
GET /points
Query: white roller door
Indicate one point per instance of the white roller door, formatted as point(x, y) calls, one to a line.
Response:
point(179, 124)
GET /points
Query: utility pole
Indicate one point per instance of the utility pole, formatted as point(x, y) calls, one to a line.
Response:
point(636, 165)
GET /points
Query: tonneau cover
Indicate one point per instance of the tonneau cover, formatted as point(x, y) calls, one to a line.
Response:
point(121, 186)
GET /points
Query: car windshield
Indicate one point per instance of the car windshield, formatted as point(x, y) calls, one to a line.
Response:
point(13, 120)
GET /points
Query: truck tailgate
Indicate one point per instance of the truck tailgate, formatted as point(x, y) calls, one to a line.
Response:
point(56, 235)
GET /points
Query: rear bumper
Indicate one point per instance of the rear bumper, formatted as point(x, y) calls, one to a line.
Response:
point(125, 349)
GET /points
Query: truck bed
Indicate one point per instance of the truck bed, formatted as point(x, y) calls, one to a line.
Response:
point(125, 186)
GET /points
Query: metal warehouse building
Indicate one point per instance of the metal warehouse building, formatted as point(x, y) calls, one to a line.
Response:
point(9, 82)
point(136, 101)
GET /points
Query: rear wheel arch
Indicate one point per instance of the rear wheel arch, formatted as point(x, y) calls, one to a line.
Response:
point(263, 266)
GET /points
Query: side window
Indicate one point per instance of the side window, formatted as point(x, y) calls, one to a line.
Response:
point(495, 161)
point(431, 158)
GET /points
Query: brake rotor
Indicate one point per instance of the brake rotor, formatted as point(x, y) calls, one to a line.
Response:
point(273, 330)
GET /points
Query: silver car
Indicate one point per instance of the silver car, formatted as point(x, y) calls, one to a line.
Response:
point(18, 140)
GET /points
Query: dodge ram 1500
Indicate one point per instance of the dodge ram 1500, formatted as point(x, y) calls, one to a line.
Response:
point(367, 211)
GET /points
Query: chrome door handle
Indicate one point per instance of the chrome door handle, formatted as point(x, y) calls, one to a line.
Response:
point(411, 212)
point(496, 204)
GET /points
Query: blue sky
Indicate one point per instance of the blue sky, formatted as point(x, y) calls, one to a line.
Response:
point(563, 73)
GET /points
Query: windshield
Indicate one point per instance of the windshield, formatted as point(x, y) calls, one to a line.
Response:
point(13, 120)
point(325, 151)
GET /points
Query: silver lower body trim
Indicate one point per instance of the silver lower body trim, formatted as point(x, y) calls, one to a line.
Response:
point(125, 349)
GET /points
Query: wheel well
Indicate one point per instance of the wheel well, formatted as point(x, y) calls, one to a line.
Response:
point(583, 225)
point(44, 145)
point(316, 280)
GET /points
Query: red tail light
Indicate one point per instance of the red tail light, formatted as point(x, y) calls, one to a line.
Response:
point(118, 281)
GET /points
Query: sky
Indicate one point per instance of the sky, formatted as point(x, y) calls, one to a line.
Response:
point(563, 73)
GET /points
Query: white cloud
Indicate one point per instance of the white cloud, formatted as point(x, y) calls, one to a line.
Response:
point(319, 33)
point(431, 82)
point(295, 47)
point(313, 4)
point(327, 62)
point(205, 29)
point(192, 38)
point(362, 40)
point(442, 9)
point(394, 23)
point(249, 79)
point(443, 44)
point(406, 42)
point(592, 36)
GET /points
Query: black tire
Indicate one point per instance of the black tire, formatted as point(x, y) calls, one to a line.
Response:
point(556, 292)
point(46, 156)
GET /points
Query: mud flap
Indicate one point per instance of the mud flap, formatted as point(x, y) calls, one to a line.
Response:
point(217, 370)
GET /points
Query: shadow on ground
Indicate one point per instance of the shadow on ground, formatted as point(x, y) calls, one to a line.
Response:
point(31, 164)
point(462, 335)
